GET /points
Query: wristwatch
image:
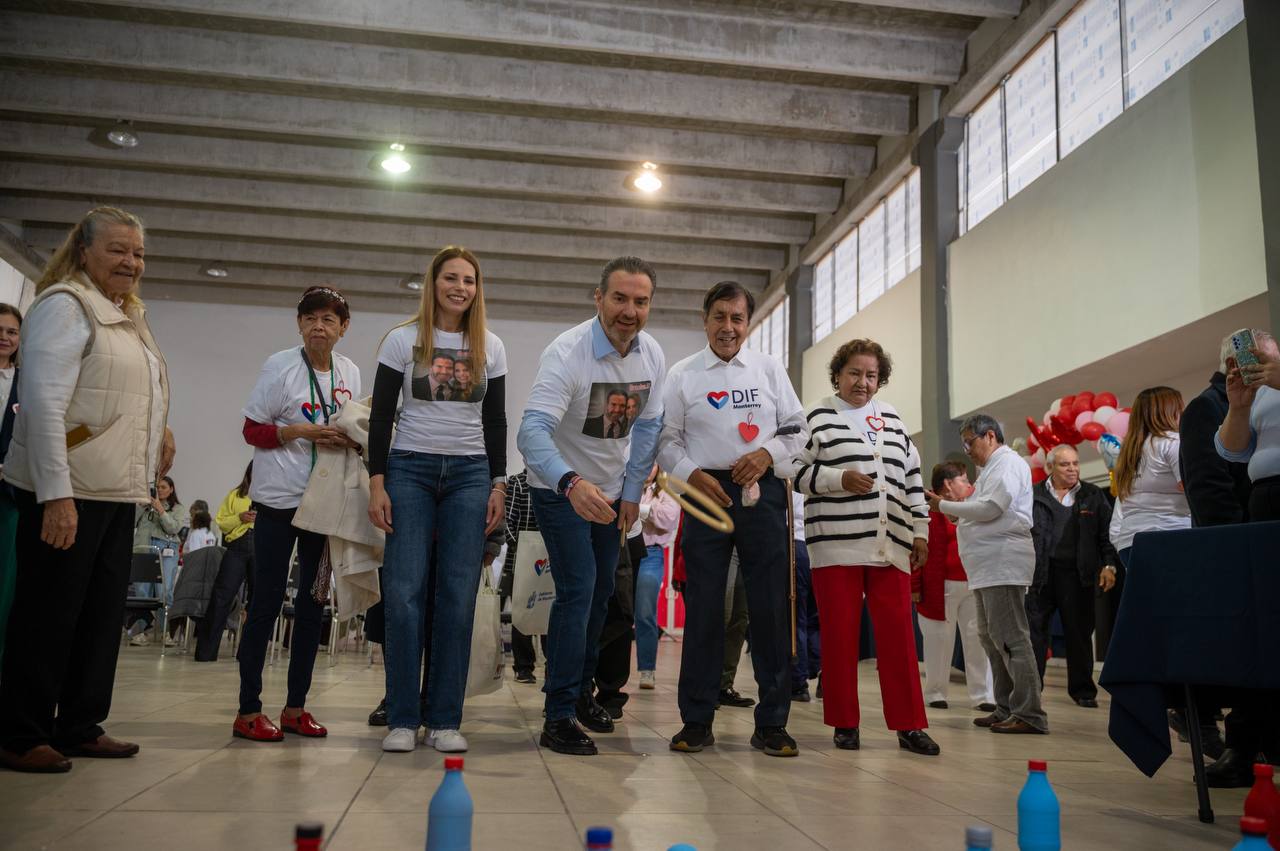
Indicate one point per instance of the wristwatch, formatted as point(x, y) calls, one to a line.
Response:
point(564, 482)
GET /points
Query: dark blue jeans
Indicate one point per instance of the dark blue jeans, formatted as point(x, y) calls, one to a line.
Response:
point(273, 538)
point(808, 661)
point(760, 536)
point(649, 575)
point(583, 557)
point(440, 498)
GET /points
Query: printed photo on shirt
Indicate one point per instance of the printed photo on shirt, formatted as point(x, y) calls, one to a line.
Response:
point(614, 408)
point(450, 376)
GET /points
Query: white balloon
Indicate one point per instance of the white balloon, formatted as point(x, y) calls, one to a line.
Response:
point(1048, 418)
point(1037, 458)
point(1056, 406)
point(1103, 414)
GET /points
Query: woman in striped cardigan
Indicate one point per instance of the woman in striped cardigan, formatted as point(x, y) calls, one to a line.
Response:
point(867, 525)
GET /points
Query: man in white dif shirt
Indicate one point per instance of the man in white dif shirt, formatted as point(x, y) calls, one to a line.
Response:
point(993, 529)
point(730, 415)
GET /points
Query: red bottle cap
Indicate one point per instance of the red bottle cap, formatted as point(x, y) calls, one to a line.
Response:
point(1262, 769)
point(1037, 765)
point(453, 763)
point(1253, 826)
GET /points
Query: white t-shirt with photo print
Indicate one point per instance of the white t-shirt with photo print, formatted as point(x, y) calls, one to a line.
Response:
point(428, 423)
point(284, 396)
point(578, 373)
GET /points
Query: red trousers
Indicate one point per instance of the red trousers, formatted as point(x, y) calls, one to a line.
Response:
point(840, 589)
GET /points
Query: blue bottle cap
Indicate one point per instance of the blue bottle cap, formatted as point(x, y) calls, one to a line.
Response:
point(682, 847)
point(978, 836)
point(599, 836)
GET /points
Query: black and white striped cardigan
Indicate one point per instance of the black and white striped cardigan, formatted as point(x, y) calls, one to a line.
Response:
point(876, 527)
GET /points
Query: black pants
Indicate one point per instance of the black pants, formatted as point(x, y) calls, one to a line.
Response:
point(1065, 593)
point(760, 536)
point(237, 563)
point(274, 536)
point(613, 667)
point(64, 630)
point(808, 661)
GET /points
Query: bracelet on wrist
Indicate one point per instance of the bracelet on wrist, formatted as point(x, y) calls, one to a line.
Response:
point(572, 484)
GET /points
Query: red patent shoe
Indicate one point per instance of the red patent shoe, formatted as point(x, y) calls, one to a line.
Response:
point(304, 724)
point(259, 729)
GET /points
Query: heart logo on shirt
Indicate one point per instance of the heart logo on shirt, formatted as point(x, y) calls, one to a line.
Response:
point(749, 431)
point(876, 423)
point(338, 393)
point(311, 411)
point(718, 399)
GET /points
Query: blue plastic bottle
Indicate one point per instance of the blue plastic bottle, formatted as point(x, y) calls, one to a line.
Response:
point(978, 837)
point(599, 839)
point(1038, 811)
point(682, 847)
point(449, 819)
point(1255, 835)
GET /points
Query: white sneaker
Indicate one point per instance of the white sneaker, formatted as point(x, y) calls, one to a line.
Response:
point(447, 741)
point(648, 680)
point(139, 640)
point(400, 740)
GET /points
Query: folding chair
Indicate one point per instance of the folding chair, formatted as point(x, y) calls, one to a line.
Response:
point(146, 568)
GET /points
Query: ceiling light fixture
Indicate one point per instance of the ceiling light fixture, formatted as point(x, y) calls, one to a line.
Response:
point(122, 135)
point(214, 270)
point(647, 180)
point(413, 283)
point(395, 161)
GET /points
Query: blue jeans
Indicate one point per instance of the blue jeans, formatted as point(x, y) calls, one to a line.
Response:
point(430, 494)
point(583, 557)
point(169, 569)
point(649, 578)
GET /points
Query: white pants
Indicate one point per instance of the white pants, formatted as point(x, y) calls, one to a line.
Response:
point(939, 643)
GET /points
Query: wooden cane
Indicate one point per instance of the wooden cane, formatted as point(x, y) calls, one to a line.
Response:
point(791, 561)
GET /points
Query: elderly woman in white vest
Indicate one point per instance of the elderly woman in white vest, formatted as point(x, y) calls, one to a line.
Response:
point(89, 441)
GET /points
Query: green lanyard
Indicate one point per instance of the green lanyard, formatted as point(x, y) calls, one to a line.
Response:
point(313, 389)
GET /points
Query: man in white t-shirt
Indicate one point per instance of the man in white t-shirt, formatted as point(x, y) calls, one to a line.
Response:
point(585, 481)
point(993, 529)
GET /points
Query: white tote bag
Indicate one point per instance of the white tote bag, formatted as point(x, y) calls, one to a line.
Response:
point(532, 588)
point(484, 675)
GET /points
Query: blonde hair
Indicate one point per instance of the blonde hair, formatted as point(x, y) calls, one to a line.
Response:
point(67, 262)
point(1155, 414)
point(473, 321)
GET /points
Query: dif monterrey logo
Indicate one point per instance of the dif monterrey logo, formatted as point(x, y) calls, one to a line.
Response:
point(737, 398)
point(541, 567)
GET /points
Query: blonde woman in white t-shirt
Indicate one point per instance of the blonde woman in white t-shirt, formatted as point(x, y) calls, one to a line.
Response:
point(1148, 480)
point(442, 481)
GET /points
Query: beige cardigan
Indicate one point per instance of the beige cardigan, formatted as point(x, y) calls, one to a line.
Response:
point(336, 503)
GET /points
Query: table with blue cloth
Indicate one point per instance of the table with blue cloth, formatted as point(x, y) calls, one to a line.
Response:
point(1201, 610)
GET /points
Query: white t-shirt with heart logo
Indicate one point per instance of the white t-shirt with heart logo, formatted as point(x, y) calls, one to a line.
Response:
point(283, 395)
point(867, 421)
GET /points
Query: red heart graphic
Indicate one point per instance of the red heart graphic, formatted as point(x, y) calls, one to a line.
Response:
point(341, 391)
point(749, 431)
point(310, 411)
point(876, 423)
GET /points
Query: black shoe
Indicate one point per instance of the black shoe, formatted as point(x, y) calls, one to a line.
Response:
point(1178, 723)
point(817, 692)
point(592, 715)
point(937, 704)
point(565, 736)
point(730, 697)
point(1233, 770)
point(526, 677)
point(801, 695)
point(378, 717)
point(847, 738)
point(1087, 702)
point(774, 741)
point(986, 707)
point(613, 702)
point(918, 741)
point(692, 738)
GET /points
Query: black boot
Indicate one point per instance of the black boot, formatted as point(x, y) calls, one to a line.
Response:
point(565, 736)
point(592, 715)
point(1233, 770)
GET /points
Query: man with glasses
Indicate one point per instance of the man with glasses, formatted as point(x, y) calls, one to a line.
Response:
point(993, 529)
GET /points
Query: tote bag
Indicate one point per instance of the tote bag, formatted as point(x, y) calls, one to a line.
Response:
point(484, 674)
point(532, 590)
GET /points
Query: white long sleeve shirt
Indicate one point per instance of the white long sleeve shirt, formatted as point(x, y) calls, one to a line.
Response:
point(53, 340)
point(717, 411)
point(994, 523)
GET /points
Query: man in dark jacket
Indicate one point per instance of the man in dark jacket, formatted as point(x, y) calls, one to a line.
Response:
point(1217, 489)
point(1074, 556)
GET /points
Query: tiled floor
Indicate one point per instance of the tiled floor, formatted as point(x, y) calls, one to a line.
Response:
point(194, 787)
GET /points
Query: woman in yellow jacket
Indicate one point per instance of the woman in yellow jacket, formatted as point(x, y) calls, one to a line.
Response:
point(235, 519)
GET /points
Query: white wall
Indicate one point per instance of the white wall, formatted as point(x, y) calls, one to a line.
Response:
point(1153, 224)
point(15, 288)
point(893, 321)
point(214, 353)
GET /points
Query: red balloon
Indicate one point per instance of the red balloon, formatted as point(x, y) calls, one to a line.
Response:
point(1105, 399)
point(1067, 402)
point(1087, 396)
point(1083, 402)
point(1032, 444)
point(1092, 431)
point(1066, 433)
point(1038, 475)
point(1043, 436)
